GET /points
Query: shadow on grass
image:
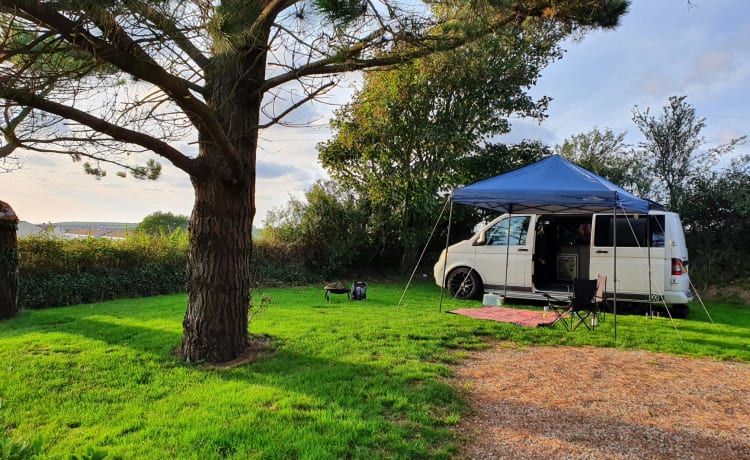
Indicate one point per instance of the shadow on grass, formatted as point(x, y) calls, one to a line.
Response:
point(401, 409)
point(397, 410)
point(142, 338)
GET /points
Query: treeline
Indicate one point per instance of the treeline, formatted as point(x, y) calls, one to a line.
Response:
point(332, 231)
point(715, 210)
point(335, 233)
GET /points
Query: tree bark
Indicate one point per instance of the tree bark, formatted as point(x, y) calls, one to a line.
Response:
point(218, 276)
point(215, 328)
point(8, 262)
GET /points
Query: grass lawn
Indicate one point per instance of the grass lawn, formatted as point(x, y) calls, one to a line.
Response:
point(345, 380)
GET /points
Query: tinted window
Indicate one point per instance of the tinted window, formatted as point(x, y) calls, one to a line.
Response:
point(631, 231)
point(497, 235)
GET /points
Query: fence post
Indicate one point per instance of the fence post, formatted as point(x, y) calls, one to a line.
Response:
point(8, 262)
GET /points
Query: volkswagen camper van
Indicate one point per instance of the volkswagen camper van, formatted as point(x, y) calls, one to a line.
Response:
point(525, 256)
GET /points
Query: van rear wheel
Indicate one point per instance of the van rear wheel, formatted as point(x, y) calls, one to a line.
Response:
point(464, 283)
point(679, 311)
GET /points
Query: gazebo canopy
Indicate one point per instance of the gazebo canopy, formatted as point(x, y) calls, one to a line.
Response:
point(551, 185)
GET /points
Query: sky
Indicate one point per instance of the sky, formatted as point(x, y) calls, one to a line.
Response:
point(662, 48)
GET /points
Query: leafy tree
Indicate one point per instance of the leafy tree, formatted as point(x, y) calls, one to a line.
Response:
point(413, 131)
point(674, 148)
point(329, 227)
point(606, 154)
point(162, 223)
point(130, 76)
point(716, 216)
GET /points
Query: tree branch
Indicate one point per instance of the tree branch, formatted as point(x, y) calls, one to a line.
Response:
point(138, 64)
point(119, 133)
point(296, 105)
point(169, 27)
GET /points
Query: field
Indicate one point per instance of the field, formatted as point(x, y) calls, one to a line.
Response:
point(341, 379)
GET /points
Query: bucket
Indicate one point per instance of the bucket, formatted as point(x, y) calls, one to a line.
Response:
point(491, 300)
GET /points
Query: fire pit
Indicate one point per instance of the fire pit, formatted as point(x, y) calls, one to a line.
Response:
point(336, 288)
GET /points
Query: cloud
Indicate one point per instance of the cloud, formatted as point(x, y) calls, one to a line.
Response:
point(271, 170)
point(708, 65)
point(522, 129)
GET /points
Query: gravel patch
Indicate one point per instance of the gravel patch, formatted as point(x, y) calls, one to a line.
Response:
point(591, 403)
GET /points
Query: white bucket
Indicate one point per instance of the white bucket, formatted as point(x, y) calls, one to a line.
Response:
point(491, 300)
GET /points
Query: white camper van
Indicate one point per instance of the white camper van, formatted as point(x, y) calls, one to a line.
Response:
point(527, 255)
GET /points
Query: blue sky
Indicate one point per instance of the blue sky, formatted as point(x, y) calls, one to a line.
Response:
point(662, 48)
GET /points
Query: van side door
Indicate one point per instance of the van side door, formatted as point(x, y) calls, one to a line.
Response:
point(640, 247)
point(511, 235)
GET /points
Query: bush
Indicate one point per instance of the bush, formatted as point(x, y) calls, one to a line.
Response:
point(55, 272)
point(279, 262)
point(716, 216)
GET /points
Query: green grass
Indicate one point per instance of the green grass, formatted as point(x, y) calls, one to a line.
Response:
point(346, 379)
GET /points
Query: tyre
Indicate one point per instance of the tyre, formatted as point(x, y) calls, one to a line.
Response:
point(679, 311)
point(464, 283)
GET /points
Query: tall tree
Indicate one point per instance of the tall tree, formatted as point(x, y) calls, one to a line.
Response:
point(415, 131)
point(129, 76)
point(675, 147)
point(606, 154)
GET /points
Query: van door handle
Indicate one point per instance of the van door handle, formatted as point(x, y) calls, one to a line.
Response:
point(602, 252)
point(523, 250)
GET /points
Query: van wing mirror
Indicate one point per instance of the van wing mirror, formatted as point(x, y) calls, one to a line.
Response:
point(481, 239)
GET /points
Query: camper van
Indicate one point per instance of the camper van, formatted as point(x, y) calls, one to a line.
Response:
point(525, 256)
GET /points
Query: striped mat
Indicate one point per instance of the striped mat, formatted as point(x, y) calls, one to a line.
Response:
point(530, 318)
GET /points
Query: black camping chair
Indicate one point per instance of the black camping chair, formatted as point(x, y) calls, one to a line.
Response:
point(579, 307)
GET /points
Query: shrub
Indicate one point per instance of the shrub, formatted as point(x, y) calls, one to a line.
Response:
point(55, 272)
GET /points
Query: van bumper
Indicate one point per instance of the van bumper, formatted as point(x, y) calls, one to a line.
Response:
point(677, 297)
point(439, 270)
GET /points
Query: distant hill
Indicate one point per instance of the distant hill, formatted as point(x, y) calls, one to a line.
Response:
point(111, 226)
point(96, 225)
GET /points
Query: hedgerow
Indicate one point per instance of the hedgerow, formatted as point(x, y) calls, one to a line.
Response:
point(57, 272)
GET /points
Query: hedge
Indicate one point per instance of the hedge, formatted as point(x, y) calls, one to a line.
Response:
point(56, 272)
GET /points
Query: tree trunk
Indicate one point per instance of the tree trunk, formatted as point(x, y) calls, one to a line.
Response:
point(215, 328)
point(8, 262)
point(218, 276)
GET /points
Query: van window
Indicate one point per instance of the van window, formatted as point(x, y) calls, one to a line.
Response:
point(497, 235)
point(631, 231)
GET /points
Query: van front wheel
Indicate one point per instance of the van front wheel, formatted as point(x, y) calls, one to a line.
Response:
point(464, 283)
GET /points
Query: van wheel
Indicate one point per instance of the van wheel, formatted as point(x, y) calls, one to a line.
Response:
point(464, 283)
point(679, 311)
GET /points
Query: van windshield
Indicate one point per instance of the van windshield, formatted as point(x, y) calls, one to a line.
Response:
point(631, 231)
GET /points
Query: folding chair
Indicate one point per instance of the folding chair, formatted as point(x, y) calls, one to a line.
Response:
point(600, 298)
point(584, 304)
point(576, 309)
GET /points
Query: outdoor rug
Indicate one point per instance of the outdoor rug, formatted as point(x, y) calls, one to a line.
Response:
point(531, 318)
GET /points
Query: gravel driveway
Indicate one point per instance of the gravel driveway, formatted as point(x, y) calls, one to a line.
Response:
point(586, 402)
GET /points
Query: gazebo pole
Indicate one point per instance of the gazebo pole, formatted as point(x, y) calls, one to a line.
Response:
point(648, 249)
point(507, 253)
point(445, 261)
point(614, 263)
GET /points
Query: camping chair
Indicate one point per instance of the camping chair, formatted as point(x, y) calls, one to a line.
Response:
point(600, 298)
point(594, 309)
point(576, 309)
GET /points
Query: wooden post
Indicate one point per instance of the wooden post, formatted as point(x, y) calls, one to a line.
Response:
point(8, 262)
